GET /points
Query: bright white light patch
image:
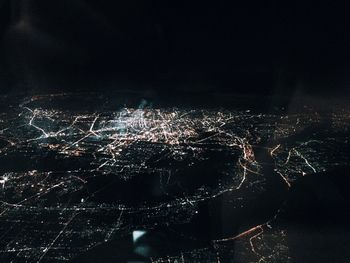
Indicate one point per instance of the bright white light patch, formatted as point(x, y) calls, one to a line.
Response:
point(137, 234)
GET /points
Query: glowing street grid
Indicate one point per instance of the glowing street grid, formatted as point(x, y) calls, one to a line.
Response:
point(56, 164)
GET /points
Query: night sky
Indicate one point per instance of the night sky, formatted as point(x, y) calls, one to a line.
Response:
point(174, 46)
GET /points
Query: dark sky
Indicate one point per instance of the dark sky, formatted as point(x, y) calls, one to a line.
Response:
point(174, 46)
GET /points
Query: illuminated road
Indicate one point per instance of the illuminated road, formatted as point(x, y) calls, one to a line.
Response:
point(76, 175)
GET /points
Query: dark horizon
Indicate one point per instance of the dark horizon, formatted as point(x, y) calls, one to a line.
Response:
point(169, 47)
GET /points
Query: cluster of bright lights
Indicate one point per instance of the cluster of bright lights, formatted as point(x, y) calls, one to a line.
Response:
point(123, 143)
